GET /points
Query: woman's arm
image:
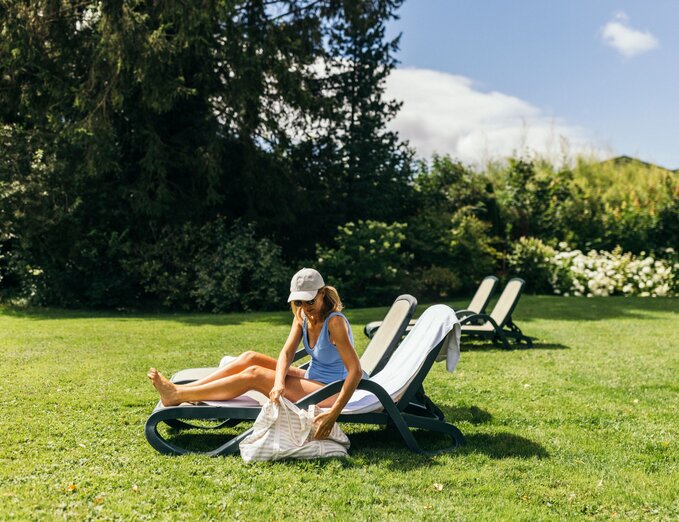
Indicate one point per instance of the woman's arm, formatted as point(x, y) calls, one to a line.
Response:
point(337, 327)
point(285, 360)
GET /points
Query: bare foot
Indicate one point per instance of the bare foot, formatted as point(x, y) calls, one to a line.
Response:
point(167, 390)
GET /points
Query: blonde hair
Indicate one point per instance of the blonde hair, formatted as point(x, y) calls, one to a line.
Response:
point(331, 303)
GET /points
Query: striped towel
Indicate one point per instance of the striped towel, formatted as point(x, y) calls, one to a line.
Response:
point(282, 430)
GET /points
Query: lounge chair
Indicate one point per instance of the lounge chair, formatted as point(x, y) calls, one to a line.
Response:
point(374, 357)
point(386, 398)
point(498, 326)
point(476, 306)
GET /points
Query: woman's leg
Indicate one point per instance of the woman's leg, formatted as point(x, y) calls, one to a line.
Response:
point(240, 363)
point(252, 378)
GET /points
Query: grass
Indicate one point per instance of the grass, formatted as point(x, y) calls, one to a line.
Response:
point(585, 425)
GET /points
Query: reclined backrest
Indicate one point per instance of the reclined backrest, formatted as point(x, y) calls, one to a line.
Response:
point(411, 359)
point(483, 293)
point(507, 301)
point(407, 360)
point(386, 339)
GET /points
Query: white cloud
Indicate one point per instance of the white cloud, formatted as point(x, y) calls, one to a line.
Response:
point(626, 40)
point(446, 114)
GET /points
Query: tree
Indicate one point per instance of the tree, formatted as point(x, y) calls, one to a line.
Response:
point(453, 225)
point(352, 165)
point(126, 119)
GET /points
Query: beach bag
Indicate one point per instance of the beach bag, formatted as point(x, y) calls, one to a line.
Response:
point(282, 430)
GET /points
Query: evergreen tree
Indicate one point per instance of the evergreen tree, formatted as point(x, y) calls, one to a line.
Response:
point(364, 167)
point(374, 166)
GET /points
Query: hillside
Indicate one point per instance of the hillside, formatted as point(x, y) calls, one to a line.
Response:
point(629, 161)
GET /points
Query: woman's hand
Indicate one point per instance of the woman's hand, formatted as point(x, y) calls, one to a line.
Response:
point(277, 392)
point(323, 423)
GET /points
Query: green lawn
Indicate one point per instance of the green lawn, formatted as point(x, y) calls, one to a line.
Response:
point(585, 424)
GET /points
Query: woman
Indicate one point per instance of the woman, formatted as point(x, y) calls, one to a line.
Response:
point(326, 335)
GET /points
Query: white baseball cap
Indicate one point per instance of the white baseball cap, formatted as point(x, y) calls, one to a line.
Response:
point(305, 284)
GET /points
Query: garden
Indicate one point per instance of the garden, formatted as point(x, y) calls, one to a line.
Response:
point(166, 167)
point(583, 424)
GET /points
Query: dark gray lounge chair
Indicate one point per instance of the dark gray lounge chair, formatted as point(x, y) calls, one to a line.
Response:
point(386, 398)
point(476, 306)
point(498, 326)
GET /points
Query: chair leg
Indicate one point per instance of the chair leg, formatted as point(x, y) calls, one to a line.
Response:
point(162, 445)
point(423, 406)
point(446, 428)
point(524, 339)
point(396, 419)
point(157, 441)
point(503, 339)
point(516, 333)
point(404, 421)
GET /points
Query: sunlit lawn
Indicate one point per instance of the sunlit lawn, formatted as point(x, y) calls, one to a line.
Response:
point(586, 424)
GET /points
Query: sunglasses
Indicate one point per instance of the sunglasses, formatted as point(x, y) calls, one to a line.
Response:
point(308, 303)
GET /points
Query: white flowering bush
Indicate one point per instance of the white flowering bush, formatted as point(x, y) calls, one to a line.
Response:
point(601, 273)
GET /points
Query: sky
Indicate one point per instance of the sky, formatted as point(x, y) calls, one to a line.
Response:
point(485, 79)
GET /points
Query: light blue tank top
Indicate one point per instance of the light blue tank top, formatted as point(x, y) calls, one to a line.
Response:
point(326, 364)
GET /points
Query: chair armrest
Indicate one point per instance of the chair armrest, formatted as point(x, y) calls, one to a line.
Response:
point(334, 387)
point(477, 317)
point(370, 328)
point(321, 394)
point(463, 312)
point(299, 354)
point(474, 317)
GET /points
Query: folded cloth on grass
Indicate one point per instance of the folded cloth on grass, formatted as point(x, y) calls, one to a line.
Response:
point(282, 430)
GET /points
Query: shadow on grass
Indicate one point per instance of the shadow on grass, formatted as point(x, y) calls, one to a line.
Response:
point(529, 308)
point(387, 446)
point(201, 441)
point(503, 446)
point(471, 414)
point(488, 346)
point(230, 319)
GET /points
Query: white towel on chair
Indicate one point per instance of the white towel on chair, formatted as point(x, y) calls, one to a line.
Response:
point(432, 327)
point(451, 348)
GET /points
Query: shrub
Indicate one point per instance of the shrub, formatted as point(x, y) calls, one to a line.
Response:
point(215, 268)
point(368, 263)
point(597, 273)
point(531, 259)
point(453, 227)
point(436, 282)
point(240, 273)
point(17, 279)
point(471, 248)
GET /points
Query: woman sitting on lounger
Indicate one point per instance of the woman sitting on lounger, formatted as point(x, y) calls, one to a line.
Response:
point(327, 338)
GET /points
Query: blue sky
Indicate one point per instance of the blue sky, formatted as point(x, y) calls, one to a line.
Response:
point(482, 79)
